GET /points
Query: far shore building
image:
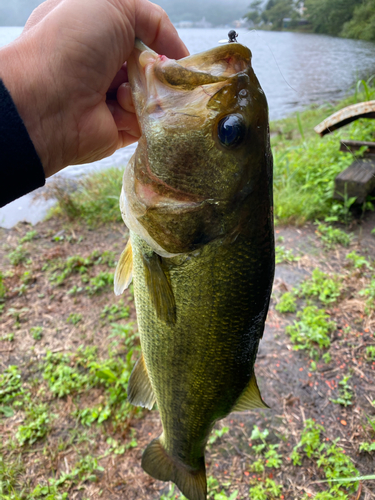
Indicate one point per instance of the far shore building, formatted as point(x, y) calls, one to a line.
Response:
point(203, 24)
point(184, 24)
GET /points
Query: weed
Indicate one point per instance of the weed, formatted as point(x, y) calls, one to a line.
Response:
point(75, 373)
point(17, 256)
point(369, 292)
point(223, 496)
point(287, 303)
point(36, 332)
point(370, 353)
point(114, 447)
point(9, 337)
point(321, 285)
point(10, 478)
point(115, 312)
point(73, 264)
point(217, 433)
point(2, 287)
point(327, 358)
point(331, 458)
point(94, 199)
point(358, 261)
point(267, 490)
point(268, 451)
point(340, 212)
point(74, 318)
point(312, 329)
point(10, 390)
point(368, 447)
point(283, 255)
point(84, 470)
point(345, 392)
point(27, 277)
point(30, 235)
point(18, 314)
point(99, 282)
point(36, 425)
point(61, 377)
point(331, 236)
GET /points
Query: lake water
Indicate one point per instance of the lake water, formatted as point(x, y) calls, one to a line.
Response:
point(294, 69)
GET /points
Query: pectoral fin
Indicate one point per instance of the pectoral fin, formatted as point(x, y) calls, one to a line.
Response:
point(250, 398)
point(159, 288)
point(124, 270)
point(140, 392)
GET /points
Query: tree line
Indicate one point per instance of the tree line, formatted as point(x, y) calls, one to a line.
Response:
point(346, 18)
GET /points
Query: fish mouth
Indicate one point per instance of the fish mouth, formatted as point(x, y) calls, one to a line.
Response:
point(213, 65)
point(166, 90)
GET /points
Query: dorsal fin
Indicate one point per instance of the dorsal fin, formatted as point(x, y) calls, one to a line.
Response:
point(250, 398)
point(140, 392)
point(159, 288)
point(124, 270)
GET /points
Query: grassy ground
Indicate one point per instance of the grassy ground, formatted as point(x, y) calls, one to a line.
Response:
point(67, 347)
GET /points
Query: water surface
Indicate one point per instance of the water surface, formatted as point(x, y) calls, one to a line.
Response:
point(294, 69)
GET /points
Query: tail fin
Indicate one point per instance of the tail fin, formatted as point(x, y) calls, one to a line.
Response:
point(157, 463)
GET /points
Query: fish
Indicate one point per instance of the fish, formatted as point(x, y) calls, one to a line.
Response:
point(197, 200)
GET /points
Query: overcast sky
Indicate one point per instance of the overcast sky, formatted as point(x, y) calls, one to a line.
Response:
point(16, 12)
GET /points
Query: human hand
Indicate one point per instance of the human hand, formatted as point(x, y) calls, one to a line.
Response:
point(66, 75)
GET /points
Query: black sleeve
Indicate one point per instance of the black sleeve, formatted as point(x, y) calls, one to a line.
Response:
point(20, 168)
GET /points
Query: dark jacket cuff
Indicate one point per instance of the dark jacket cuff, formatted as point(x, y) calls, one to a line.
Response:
point(21, 170)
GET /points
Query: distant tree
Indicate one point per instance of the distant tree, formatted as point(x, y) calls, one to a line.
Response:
point(255, 12)
point(277, 10)
point(329, 16)
point(362, 24)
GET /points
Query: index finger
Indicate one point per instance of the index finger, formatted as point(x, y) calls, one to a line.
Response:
point(154, 28)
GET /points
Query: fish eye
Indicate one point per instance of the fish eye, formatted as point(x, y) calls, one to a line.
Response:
point(231, 131)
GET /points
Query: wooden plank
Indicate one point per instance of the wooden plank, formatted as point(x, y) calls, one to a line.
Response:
point(346, 115)
point(358, 180)
point(354, 146)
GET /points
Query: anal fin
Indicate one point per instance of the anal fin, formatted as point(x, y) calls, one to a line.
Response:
point(159, 288)
point(250, 398)
point(157, 463)
point(124, 270)
point(140, 392)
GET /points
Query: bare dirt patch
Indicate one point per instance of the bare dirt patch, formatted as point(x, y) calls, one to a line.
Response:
point(57, 301)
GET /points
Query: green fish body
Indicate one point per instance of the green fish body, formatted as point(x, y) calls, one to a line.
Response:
point(197, 199)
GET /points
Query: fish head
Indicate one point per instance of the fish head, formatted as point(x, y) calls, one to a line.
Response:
point(201, 166)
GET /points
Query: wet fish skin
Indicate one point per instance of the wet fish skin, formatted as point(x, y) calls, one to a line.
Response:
point(201, 252)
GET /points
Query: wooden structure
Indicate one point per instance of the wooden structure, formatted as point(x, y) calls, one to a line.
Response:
point(358, 180)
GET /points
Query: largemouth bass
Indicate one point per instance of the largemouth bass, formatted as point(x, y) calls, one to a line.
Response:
point(197, 199)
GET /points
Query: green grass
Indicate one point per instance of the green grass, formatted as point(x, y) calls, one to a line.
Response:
point(312, 330)
point(94, 200)
point(345, 392)
point(331, 236)
point(284, 255)
point(287, 303)
point(330, 458)
point(322, 286)
point(305, 165)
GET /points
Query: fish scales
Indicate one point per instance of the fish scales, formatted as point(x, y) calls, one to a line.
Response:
point(212, 329)
point(197, 198)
